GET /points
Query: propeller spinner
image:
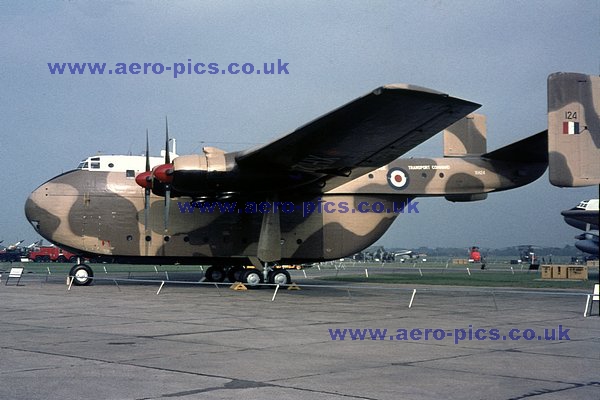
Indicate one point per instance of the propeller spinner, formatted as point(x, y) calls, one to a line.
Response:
point(162, 173)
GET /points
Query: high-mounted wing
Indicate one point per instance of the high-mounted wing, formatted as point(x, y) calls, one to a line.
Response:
point(360, 136)
point(342, 145)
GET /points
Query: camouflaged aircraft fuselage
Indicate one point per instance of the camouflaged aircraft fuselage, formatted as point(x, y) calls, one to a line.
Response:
point(345, 164)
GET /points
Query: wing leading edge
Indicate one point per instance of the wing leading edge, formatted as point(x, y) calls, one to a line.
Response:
point(358, 137)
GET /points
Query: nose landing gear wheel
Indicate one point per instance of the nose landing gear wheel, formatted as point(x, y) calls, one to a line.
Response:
point(82, 275)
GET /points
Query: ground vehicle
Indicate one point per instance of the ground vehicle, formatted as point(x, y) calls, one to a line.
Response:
point(10, 255)
point(51, 254)
point(475, 254)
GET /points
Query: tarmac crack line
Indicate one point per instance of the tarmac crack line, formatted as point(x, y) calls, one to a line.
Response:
point(414, 363)
point(484, 374)
point(555, 355)
point(167, 335)
point(541, 392)
point(233, 384)
point(258, 383)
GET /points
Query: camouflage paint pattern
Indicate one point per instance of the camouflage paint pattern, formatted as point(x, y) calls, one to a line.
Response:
point(103, 212)
point(466, 137)
point(574, 129)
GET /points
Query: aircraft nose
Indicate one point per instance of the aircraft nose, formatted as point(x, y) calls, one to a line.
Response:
point(32, 211)
point(37, 214)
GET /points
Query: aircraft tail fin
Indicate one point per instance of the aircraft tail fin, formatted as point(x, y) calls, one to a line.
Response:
point(574, 129)
point(467, 136)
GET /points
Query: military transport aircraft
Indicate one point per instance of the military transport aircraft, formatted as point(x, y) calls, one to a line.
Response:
point(325, 191)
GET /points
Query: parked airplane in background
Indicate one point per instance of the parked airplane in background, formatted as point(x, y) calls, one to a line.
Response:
point(327, 190)
point(585, 216)
point(403, 254)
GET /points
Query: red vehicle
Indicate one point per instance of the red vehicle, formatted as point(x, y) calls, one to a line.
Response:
point(475, 254)
point(51, 254)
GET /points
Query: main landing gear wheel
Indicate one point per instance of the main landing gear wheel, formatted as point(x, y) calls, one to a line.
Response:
point(215, 274)
point(235, 274)
point(252, 278)
point(82, 275)
point(280, 277)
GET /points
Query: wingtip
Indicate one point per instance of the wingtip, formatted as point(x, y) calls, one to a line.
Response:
point(406, 86)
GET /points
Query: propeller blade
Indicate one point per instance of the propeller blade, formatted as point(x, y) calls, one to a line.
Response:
point(147, 153)
point(167, 205)
point(167, 156)
point(146, 208)
point(147, 189)
point(167, 185)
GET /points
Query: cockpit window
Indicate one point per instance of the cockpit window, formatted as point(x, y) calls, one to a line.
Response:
point(130, 173)
point(95, 165)
point(95, 158)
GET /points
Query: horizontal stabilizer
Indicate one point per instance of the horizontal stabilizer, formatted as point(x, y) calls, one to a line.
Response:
point(531, 149)
point(574, 129)
point(467, 136)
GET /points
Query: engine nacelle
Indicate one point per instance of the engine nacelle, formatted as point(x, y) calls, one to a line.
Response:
point(205, 173)
point(216, 173)
point(587, 246)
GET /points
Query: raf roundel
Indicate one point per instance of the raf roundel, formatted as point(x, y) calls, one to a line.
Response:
point(397, 178)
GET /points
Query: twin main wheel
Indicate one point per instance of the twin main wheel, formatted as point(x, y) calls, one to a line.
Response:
point(215, 274)
point(250, 276)
point(280, 276)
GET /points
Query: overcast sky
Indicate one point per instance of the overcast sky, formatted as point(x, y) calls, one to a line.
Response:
point(496, 53)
